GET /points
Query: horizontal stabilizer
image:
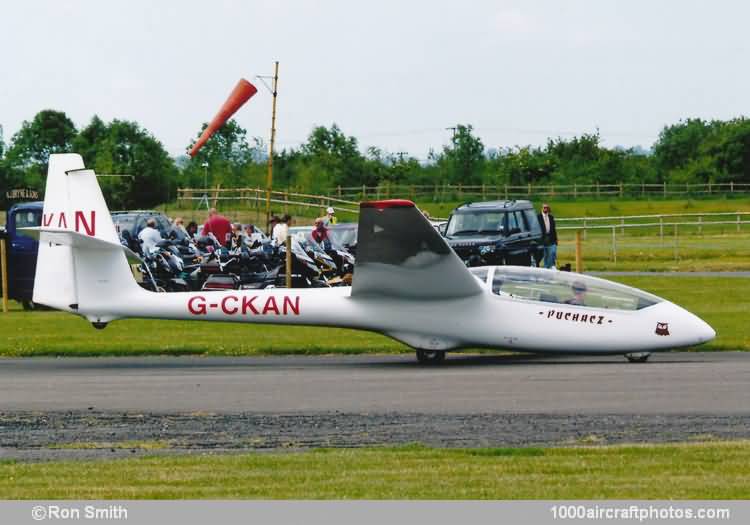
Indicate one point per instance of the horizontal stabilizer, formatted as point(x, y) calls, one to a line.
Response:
point(74, 239)
point(400, 254)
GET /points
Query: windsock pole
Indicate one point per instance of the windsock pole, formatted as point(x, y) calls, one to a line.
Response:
point(269, 179)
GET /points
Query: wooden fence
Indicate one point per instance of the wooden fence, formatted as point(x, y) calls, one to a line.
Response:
point(343, 197)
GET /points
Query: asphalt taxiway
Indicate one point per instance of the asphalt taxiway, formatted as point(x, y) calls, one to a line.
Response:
point(669, 383)
point(77, 408)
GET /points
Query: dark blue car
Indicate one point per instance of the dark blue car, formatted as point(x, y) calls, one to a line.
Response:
point(22, 251)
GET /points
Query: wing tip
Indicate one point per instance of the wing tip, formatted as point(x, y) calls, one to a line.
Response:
point(390, 203)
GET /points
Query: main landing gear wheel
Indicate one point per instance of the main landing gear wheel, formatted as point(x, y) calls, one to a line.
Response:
point(638, 357)
point(430, 357)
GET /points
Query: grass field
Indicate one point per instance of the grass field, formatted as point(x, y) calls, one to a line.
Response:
point(723, 302)
point(707, 470)
point(563, 208)
point(560, 207)
point(635, 251)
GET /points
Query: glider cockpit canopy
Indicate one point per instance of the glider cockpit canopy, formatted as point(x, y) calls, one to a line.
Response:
point(552, 286)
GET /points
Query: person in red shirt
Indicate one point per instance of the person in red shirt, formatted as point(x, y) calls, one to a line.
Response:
point(320, 234)
point(218, 225)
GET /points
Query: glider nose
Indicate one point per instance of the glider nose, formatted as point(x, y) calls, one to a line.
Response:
point(705, 332)
point(700, 331)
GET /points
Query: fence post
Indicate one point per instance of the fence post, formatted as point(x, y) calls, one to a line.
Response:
point(621, 190)
point(661, 230)
point(484, 195)
point(288, 268)
point(4, 271)
point(665, 188)
point(738, 223)
point(731, 186)
point(364, 192)
point(579, 256)
point(584, 229)
point(622, 226)
point(529, 194)
point(460, 192)
point(709, 187)
point(700, 225)
point(614, 244)
point(506, 192)
point(339, 190)
point(597, 189)
point(643, 189)
point(575, 190)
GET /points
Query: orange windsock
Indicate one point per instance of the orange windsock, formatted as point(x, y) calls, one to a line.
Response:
point(239, 95)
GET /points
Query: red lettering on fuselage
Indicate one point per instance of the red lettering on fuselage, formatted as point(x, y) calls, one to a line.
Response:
point(90, 227)
point(225, 308)
point(247, 304)
point(81, 223)
point(197, 305)
point(270, 305)
point(233, 305)
point(291, 306)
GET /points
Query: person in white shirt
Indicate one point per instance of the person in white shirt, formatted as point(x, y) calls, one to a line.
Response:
point(149, 236)
point(281, 230)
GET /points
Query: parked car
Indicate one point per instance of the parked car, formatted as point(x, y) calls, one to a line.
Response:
point(130, 223)
point(344, 235)
point(495, 232)
point(22, 251)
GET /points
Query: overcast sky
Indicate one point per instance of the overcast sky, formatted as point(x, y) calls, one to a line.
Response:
point(394, 74)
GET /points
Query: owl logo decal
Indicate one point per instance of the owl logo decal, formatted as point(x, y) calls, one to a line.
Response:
point(662, 328)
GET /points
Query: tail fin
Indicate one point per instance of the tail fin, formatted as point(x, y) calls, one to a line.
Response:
point(81, 266)
point(400, 254)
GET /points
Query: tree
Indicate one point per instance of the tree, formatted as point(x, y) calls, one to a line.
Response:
point(231, 160)
point(124, 148)
point(463, 160)
point(335, 158)
point(49, 132)
point(679, 144)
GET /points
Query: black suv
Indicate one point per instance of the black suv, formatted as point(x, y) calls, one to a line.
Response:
point(496, 232)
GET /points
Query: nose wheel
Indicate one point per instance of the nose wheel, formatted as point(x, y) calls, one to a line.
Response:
point(638, 357)
point(430, 357)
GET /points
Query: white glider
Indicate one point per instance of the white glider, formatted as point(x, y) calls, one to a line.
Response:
point(408, 285)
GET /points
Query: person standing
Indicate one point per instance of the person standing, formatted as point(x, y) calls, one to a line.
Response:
point(320, 234)
point(178, 231)
point(218, 225)
point(330, 217)
point(549, 236)
point(281, 230)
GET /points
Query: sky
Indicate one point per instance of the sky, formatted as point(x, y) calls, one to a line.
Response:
point(394, 74)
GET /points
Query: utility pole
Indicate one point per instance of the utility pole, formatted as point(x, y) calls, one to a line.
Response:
point(269, 180)
point(204, 197)
point(453, 130)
